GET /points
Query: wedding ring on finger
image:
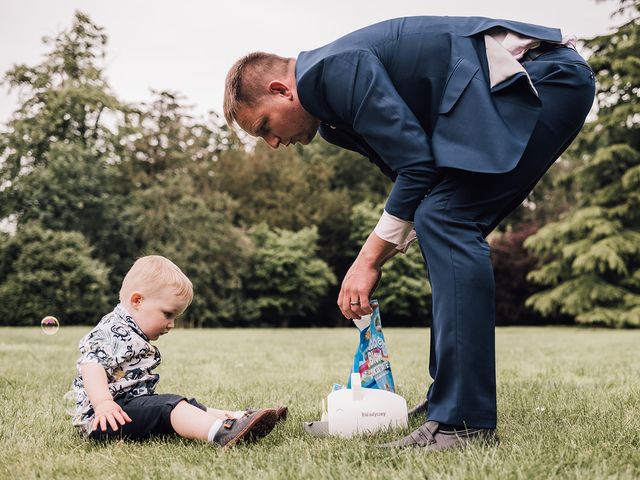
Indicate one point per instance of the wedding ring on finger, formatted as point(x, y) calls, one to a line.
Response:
point(357, 302)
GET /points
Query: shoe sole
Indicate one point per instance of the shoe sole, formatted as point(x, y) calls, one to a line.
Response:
point(464, 440)
point(282, 413)
point(261, 424)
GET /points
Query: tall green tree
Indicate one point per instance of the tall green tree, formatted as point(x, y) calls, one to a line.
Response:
point(350, 179)
point(176, 209)
point(172, 219)
point(277, 187)
point(162, 139)
point(59, 147)
point(287, 280)
point(591, 258)
point(44, 272)
point(296, 188)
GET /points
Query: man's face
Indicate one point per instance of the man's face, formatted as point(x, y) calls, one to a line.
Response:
point(280, 120)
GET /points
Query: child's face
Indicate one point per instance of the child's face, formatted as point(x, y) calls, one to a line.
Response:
point(156, 314)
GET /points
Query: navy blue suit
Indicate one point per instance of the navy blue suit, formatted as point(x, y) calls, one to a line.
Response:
point(413, 95)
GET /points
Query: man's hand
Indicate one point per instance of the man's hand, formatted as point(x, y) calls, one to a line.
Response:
point(363, 277)
point(109, 411)
point(357, 286)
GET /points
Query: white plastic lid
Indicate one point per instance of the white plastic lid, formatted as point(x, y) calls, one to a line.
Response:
point(363, 323)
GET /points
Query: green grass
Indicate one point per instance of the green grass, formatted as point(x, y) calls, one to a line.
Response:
point(568, 402)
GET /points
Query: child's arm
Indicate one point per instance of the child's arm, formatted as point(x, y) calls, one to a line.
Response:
point(106, 410)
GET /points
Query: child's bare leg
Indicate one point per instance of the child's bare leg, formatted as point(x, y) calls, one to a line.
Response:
point(191, 422)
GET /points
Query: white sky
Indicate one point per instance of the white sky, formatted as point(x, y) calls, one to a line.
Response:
point(188, 46)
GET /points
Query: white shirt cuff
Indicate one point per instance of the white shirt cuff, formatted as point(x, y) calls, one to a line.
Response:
point(404, 246)
point(393, 229)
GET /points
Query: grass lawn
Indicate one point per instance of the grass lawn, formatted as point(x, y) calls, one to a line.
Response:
point(568, 403)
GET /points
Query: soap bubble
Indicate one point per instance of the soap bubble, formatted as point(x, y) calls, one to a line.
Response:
point(69, 402)
point(50, 325)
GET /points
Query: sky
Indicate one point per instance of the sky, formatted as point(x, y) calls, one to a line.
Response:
point(188, 46)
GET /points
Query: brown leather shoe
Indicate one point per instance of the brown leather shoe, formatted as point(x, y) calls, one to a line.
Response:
point(431, 437)
point(282, 411)
point(248, 428)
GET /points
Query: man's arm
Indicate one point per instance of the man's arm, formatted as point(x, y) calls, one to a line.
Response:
point(360, 93)
point(366, 98)
point(94, 379)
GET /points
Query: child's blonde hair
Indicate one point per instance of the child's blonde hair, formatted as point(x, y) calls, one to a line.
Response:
point(152, 273)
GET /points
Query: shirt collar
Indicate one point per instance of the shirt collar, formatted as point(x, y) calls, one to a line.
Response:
point(126, 317)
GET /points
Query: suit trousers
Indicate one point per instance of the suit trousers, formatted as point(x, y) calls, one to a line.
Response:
point(451, 224)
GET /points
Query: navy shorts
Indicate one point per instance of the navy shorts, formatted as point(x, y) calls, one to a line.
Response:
point(150, 415)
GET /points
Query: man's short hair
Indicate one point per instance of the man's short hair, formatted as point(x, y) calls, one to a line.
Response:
point(247, 79)
point(153, 273)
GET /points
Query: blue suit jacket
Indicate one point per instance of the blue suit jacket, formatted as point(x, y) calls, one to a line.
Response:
point(411, 93)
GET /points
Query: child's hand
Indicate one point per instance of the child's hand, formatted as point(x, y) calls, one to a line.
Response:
point(109, 411)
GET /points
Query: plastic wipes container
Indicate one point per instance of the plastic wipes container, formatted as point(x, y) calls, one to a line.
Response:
point(359, 410)
point(369, 403)
point(371, 359)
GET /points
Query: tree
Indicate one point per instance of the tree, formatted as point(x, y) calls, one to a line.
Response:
point(591, 258)
point(162, 139)
point(58, 151)
point(404, 291)
point(297, 188)
point(171, 219)
point(64, 99)
point(350, 179)
point(43, 272)
point(287, 280)
point(277, 187)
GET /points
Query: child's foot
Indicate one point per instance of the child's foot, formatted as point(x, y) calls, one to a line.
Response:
point(248, 428)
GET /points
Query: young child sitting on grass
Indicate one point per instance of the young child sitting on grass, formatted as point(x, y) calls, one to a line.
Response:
point(115, 385)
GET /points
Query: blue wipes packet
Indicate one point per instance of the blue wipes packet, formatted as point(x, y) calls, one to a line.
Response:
point(371, 359)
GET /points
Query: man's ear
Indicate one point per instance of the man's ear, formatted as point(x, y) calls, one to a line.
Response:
point(135, 299)
point(277, 87)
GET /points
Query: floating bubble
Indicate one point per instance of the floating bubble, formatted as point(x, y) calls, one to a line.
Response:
point(50, 325)
point(69, 402)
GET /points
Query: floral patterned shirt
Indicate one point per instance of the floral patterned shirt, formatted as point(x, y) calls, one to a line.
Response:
point(124, 351)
